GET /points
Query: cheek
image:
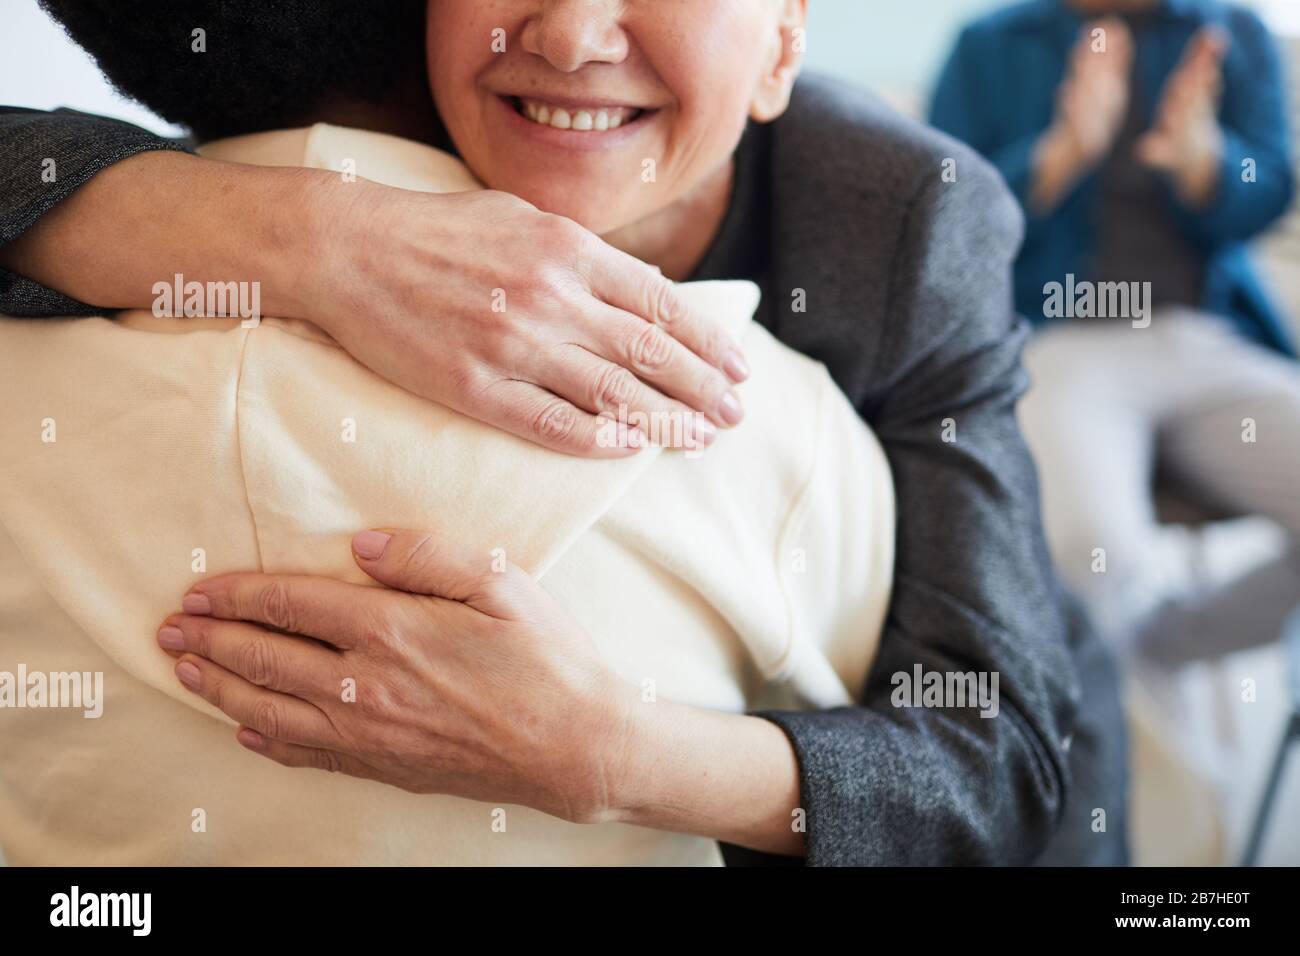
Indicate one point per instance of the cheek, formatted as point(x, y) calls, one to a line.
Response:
point(712, 66)
point(712, 109)
point(453, 79)
point(454, 56)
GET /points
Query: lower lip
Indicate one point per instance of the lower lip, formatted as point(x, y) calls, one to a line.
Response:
point(589, 140)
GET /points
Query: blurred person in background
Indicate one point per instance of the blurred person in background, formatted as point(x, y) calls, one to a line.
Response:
point(1147, 143)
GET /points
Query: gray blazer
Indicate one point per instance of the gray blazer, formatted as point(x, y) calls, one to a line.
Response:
point(907, 281)
point(907, 284)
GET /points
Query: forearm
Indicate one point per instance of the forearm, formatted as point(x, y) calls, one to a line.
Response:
point(160, 214)
point(729, 777)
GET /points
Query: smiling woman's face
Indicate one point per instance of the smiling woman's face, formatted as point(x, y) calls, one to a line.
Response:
point(604, 111)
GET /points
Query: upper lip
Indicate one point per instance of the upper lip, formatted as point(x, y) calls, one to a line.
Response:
point(577, 103)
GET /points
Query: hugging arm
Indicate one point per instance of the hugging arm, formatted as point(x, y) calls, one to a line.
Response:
point(974, 589)
point(409, 283)
point(45, 158)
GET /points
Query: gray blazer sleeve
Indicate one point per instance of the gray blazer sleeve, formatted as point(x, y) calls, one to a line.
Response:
point(44, 159)
point(911, 309)
point(974, 588)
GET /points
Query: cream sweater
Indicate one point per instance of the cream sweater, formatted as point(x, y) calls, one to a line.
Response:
point(140, 453)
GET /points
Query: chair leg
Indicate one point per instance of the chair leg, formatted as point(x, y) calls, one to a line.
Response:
point(1289, 737)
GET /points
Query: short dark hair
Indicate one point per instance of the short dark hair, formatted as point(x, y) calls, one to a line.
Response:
point(268, 64)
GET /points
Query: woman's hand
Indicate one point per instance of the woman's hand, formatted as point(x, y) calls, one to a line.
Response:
point(470, 682)
point(518, 318)
point(475, 300)
point(464, 680)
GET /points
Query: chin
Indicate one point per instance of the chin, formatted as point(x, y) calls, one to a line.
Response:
point(600, 212)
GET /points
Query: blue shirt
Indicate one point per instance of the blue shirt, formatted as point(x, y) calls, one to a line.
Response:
point(997, 93)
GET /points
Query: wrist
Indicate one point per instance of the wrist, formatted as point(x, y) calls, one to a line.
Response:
point(691, 770)
point(300, 266)
point(627, 738)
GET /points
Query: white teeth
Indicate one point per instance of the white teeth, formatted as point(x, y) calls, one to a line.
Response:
point(584, 121)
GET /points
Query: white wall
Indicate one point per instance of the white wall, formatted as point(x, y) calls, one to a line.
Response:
point(895, 47)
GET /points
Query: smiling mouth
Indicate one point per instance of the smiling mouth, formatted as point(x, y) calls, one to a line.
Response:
point(577, 119)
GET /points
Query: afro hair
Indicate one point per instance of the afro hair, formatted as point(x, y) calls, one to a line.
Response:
point(267, 64)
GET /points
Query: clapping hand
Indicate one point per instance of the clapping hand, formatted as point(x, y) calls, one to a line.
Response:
point(1185, 140)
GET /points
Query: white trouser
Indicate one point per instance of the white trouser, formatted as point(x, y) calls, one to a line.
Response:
point(1109, 402)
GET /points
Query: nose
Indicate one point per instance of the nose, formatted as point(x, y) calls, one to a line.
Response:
point(569, 34)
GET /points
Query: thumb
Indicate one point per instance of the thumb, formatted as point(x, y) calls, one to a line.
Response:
point(418, 562)
point(1154, 149)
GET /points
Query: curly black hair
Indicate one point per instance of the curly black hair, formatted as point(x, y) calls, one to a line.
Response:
point(268, 64)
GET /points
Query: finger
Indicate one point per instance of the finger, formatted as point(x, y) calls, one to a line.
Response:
point(1199, 65)
point(626, 283)
point(296, 755)
point(1084, 42)
point(419, 562)
point(280, 662)
point(611, 390)
point(1214, 87)
point(544, 418)
point(1212, 47)
point(269, 713)
point(1118, 44)
point(1178, 92)
point(657, 358)
point(1121, 44)
point(1175, 102)
point(327, 610)
point(1207, 47)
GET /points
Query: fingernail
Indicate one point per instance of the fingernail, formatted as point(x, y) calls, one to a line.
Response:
point(172, 638)
point(731, 411)
point(249, 738)
point(196, 604)
point(370, 544)
point(188, 675)
point(736, 367)
point(705, 430)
